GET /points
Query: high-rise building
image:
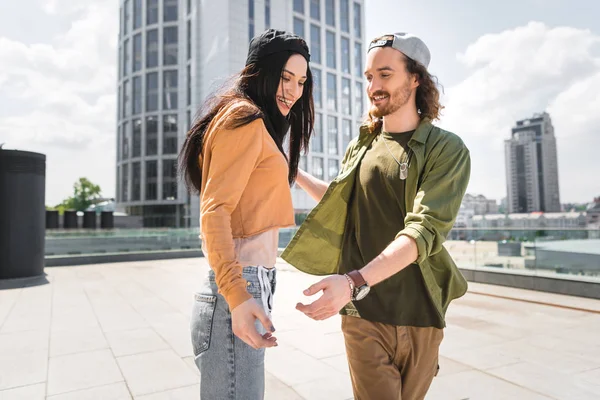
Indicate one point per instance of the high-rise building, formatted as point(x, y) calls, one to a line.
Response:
point(173, 53)
point(532, 166)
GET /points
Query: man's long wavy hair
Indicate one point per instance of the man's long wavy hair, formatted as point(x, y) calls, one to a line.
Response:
point(427, 96)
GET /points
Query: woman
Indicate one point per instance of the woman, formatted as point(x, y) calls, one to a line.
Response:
point(234, 157)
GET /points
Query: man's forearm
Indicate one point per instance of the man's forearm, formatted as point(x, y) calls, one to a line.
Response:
point(315, 187)
point(398, 255)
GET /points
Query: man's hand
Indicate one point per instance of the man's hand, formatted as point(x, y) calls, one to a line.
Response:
point(242, 321)
point(336, 294)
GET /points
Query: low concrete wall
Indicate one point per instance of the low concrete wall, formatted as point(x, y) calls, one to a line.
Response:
point(64, 261)
point(559, 284)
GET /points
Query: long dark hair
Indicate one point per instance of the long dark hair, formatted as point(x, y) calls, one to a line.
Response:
point(257, 83)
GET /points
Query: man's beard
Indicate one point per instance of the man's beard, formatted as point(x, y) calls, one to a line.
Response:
point(394, 103)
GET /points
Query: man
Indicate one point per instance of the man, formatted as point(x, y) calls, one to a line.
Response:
point(379, 228)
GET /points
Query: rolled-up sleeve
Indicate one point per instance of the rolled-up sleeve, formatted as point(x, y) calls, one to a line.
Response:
point(234, 155)
point(438, 200)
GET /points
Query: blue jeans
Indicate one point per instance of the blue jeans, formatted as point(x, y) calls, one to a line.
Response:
point(229, 368)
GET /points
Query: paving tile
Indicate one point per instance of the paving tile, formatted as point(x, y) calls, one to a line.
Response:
point(187, 393)
point(158, 371)
point(22, 369)
point(336, 386)
point(82, 371)
point(124, 343)
point(114, 391)
point(30, 392)
point(64, 342)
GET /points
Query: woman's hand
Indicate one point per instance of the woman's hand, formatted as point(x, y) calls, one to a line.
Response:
point(242, 320)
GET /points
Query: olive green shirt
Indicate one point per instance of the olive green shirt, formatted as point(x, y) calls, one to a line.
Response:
point(376, 214)
point(438, 176)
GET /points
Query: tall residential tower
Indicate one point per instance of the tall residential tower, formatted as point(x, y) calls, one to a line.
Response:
point(532, 166)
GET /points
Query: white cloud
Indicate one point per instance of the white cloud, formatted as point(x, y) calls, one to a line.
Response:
point(516, 73)
point(63, 92)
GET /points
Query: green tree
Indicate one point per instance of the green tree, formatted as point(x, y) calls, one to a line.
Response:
point(84, 194)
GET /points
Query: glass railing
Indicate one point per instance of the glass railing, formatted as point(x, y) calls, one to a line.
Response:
point(573, 253)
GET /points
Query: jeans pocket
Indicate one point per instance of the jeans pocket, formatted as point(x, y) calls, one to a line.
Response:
point(203, 313)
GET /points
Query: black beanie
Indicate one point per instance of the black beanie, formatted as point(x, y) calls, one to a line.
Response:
point(273, 41)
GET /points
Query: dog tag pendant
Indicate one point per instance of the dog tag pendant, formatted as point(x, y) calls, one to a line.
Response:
point(403, 170)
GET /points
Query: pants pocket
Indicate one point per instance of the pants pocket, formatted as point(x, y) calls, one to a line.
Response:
point(203, 313)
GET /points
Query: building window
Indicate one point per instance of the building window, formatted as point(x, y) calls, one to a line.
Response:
point(119, 109)
point(299, 6)
point(357, 18)
point(317, 167)
point(118, 180)
point(119, 134)
point(345, 16)
point(316, 142)
point(189, 39)
point(126, 89)
point(170, 134)
point(151, 136)
point(330, 40)
point(126, 57)
point(315, 43)
point(358, 56)
point(136, 181)
point(170, 45)
point(331, 92)
point(170, 90)
point(302, 163)
point(151, 12)
point(267, 14)
point(152, 48)
point(189, 6)
point(189, 85)
point(346, 97)
point(317, 79)
point(358, 99)
point(346, 133)
point(125, 184)
point(330, 12)
point(332, 133)
point(137, 95)
point(299, 26)
point(169, 179)
point(137, 52)
point(334, 168)
point(315, 9)
point(345, 55)
point(170, 10)
point(126, 17)
point(250, 19)
point(151, 180)
point(136, 146)
point(125, 138)
point(152, 91)
point(137, 14)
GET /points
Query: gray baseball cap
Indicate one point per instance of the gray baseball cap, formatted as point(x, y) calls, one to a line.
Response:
point(409, 45)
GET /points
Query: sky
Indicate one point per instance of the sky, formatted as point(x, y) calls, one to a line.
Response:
point(497, 61)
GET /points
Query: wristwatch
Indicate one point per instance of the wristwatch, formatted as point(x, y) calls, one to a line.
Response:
point(360, 288)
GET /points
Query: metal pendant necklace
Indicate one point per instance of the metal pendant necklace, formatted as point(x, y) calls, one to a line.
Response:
point(403, 165)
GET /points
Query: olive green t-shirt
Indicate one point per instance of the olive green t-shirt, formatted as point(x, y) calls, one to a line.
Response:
point(376, 215)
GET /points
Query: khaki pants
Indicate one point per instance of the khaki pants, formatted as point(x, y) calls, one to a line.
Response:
point(389, 362)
